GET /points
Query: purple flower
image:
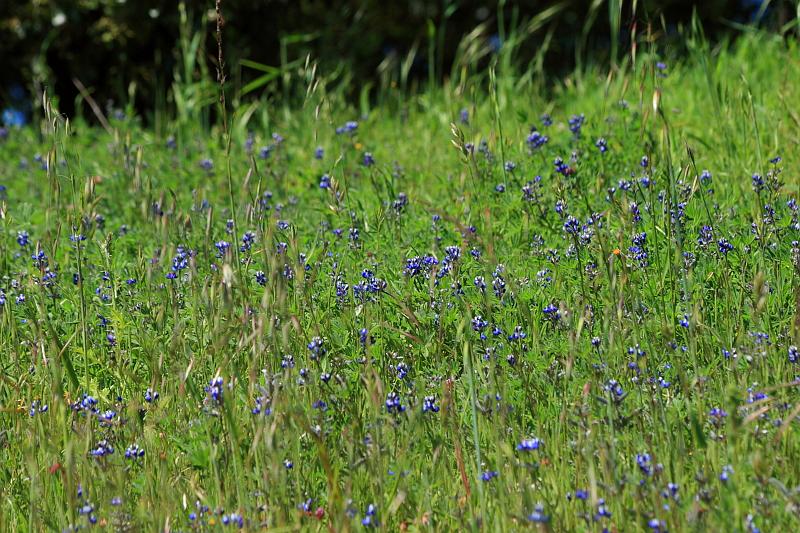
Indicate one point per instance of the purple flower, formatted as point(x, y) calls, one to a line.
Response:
point(134, 452)
point(215, 389)
point(538, 516)
point(316, 347)
point(527, 445)
point(794, 356)
point(102, 449)
point(575, 123)
point(369, 520)
point(489, 475)
point(393, 404)
point(429, 404)
point(572, 225)
point(536, 140)
point(150, 396)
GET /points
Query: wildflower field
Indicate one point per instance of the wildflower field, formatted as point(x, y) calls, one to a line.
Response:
point(499, 303)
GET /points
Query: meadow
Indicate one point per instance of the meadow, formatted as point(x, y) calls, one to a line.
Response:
point(507, 301)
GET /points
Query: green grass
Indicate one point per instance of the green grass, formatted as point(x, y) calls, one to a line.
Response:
point(729, 110)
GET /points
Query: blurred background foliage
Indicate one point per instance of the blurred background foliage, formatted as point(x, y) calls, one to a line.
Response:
point(158, 57)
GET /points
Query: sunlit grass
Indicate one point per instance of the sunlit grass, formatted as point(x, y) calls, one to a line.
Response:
point(462, 335)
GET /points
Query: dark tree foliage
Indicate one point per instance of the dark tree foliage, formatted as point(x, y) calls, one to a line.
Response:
point(107, 44)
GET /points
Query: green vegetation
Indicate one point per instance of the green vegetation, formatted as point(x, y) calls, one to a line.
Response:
point(428, 316)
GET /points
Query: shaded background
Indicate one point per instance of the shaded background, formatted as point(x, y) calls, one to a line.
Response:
point(108, 44)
